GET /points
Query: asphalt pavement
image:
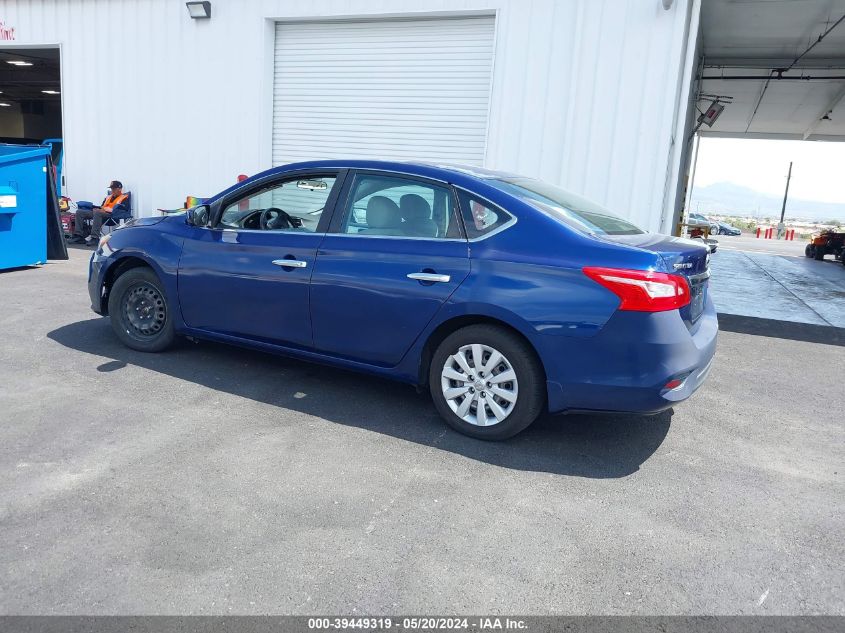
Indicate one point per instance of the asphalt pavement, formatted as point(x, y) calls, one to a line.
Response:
point(213, 480)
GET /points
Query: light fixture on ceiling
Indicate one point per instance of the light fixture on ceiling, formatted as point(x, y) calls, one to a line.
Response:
point(199, 10)
point(709, 116)
point(18, 62)
point(50, 92)
point(4, 105)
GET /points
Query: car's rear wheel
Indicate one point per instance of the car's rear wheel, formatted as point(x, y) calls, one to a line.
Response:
point(487, 382)
point(818, 253)
point(139, 312)
point(809, 250)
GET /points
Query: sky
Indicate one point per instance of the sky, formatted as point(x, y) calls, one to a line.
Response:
point(818, 172)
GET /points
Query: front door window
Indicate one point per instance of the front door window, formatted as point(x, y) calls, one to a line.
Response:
point(293, 205)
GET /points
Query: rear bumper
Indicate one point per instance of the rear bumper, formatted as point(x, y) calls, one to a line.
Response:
point(626, 366)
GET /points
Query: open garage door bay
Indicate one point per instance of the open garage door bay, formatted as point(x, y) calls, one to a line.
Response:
point(383, 89)
point(778, 70)
point(766, 58)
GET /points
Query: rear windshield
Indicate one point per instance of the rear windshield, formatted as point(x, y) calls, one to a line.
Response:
point(573, 210)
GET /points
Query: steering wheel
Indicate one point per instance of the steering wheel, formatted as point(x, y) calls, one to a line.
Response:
point(274, 218)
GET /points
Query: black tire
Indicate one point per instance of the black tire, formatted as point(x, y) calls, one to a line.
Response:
point(809, 250)
point(150, 327)
point(818, 253)
point(723, 231)
point(531, 392)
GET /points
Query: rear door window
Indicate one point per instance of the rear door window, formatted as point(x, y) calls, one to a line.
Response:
point(399, 207)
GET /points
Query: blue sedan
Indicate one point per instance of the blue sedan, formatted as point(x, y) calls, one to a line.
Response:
point(503, 295)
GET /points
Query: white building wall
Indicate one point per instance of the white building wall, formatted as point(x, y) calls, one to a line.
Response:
point(584, 91)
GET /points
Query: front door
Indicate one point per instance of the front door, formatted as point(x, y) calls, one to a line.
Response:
point(248, 275)
point(392, 258)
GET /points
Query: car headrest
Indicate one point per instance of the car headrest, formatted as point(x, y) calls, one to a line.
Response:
point(383, 213)
point(414, 207)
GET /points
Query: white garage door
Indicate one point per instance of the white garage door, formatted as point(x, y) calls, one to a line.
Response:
point(382, 89)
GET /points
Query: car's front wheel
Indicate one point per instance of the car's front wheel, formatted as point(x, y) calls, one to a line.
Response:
point(487, 382)
point(140, 315)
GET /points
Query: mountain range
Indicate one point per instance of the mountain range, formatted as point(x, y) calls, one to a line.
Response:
point(727, 198)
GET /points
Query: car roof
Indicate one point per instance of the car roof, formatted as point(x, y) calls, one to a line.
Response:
point(432, 169)
point(449, 172)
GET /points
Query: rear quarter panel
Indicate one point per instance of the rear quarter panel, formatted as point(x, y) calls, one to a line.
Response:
point(530, 277)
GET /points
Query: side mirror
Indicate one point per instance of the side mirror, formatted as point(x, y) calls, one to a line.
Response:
point(198, 216)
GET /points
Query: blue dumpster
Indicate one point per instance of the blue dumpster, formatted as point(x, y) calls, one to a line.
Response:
point(23, 200)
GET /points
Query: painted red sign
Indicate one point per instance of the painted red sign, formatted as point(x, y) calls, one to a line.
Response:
point(6, 32)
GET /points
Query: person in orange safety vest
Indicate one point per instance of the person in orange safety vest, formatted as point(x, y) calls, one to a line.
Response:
point(98, 214)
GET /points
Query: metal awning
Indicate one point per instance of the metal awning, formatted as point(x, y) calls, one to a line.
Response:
point(748, 45)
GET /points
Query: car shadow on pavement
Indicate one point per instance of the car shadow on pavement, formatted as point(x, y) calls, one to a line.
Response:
point(596, 446)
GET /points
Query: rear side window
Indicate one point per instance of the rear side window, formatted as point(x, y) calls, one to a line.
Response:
point(569, 208)
point(400, 207)
point(480, 217)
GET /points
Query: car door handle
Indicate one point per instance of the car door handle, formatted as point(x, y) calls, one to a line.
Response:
point(290, 263)
point(430, 277)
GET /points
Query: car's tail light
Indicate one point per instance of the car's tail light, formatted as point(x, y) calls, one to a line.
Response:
point(642, 290)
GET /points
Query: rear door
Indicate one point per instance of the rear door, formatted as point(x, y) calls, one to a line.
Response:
point(248, 275)
point(395, 253)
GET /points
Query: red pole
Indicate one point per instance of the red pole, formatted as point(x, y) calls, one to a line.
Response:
point(758, 232)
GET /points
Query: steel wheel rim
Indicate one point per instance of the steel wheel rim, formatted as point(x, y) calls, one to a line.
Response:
point(144, 311)
point(479, 385)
